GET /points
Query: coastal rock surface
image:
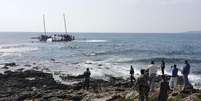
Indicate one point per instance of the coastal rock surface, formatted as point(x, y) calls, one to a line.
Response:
point(31, 85)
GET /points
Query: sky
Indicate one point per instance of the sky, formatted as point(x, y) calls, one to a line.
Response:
point(130, 16)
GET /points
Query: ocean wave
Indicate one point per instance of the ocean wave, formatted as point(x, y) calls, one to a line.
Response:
point(15, 49)
point(181, 52)
point(95, 53)
point(169, 60)
point(120, 60)
point(195, 80)
point(92, 41)
point(147, 60)
point(117, 51)
point(126, 50)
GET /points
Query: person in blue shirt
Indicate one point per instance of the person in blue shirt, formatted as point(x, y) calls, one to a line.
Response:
point(185, 72)
point(173, 79)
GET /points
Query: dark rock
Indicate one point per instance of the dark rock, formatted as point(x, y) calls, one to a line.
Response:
point(115, 97)
point(45, 69)
point(70, 77)
point(40, 86)
point(76, 98)
point(5, 67)
point(19, 79)
point(175, 94)
point(119, 89)
point(35, 68)
point(27, 65)
point(20, 70)
point(52, 59)
point(55, 99)
point(22, 96)
point(10, 64)
point(100, 65)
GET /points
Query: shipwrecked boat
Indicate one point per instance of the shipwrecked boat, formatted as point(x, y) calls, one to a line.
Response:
point(55, 37)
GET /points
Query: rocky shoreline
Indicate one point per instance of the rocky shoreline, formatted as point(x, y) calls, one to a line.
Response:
point(32, 85)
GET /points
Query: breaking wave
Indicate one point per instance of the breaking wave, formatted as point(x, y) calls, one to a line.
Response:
point(170, 60)
point(15, 49)
point(92, 41)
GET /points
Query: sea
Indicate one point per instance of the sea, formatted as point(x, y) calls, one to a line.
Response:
point(105, 54)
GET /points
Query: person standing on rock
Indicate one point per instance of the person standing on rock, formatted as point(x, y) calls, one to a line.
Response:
point(162, 66)
point(152, 68)
point(164, 88)
point(132, 75)
point(173, 79)
point(143, 86)
point(87, 74)
point(185, 72)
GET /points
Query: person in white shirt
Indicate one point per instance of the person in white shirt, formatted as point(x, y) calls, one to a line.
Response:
point(152, 75)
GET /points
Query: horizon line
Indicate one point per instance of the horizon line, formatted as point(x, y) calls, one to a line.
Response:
point(99, 32)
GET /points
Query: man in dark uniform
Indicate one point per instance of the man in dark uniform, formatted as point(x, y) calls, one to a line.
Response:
point(87, 74)
point(185, 72)
point(143, 86)
point(162, 66)
point(132, 75)
point(164, 88)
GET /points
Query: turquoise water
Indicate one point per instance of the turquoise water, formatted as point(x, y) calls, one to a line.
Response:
point(104, 53)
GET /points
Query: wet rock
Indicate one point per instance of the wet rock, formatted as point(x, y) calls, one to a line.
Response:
point(119, 89)
point(19, 86)
point(20, 70)
point(100, 65)
point(46, 69)
point(5, 67)
point(188, 90)
point(76, 98)
point(55, 99)
point(71, 77)
point(175, 94)
point(40, 86)
point(57, 72)
point(19, 79)
point(36, 68)
point(193, 97)
point(12, 64)
point(27, 65)
point(53, 60)
point(116, 98)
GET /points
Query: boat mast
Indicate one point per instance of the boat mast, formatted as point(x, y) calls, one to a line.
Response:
point(65, 23)
point(44, 24)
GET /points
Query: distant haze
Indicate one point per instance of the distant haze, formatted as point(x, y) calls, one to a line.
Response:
point(101, 15)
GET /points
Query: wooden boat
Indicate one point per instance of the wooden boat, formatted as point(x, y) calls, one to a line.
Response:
point(55, 37)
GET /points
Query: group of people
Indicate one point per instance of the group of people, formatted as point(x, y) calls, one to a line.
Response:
point(145, 84)
point(57, 37)
point(63, 37)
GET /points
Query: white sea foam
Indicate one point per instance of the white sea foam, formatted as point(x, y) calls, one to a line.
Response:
point(95, 41)
point(120, 59)
point(15, 49)
point(195, 80)
point(99, 70)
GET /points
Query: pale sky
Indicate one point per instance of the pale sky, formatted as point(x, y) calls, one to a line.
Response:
point(101, 15)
